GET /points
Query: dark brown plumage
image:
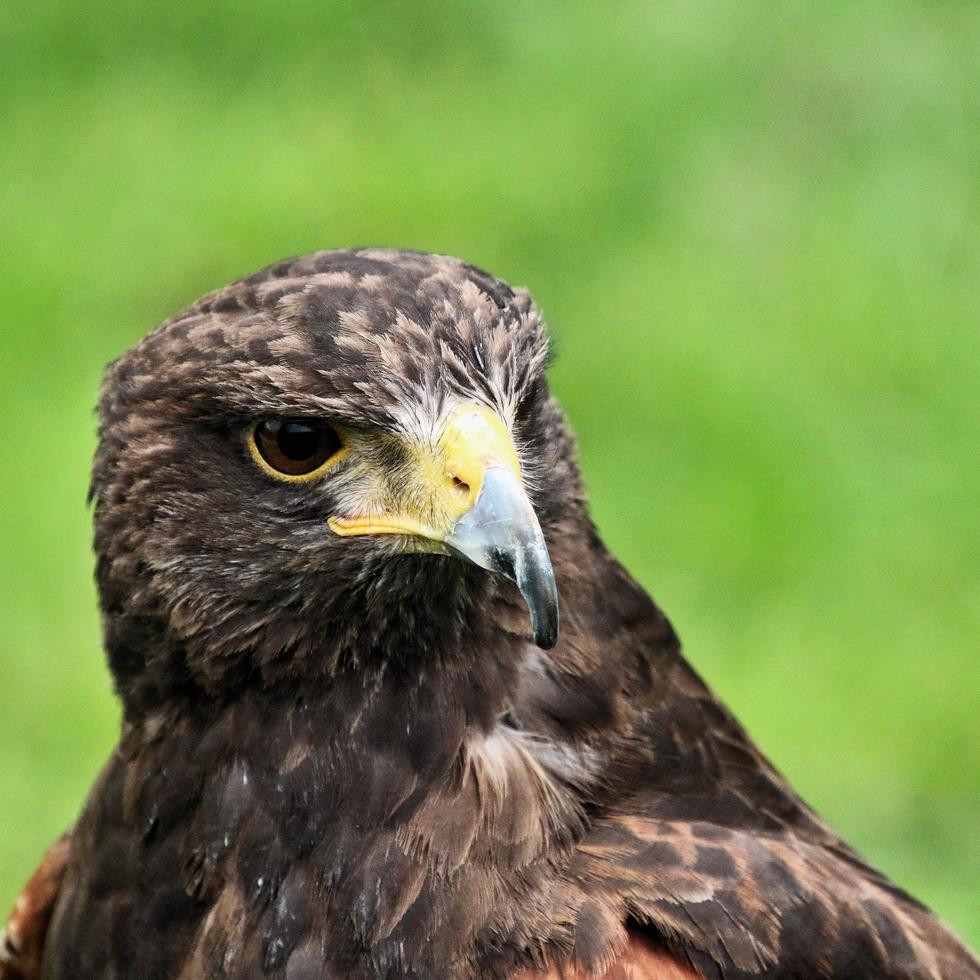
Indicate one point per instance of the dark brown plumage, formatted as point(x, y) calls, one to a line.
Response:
point(342, 753)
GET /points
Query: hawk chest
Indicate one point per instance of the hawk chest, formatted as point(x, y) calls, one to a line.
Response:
point(327, 853)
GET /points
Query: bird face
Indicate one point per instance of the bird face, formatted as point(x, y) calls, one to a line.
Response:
point(317, 451)
point(453, 485)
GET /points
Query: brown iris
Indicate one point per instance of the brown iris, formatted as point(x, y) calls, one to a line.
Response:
point(295, 447)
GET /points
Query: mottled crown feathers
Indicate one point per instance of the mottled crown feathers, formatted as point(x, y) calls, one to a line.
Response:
point(369, 331)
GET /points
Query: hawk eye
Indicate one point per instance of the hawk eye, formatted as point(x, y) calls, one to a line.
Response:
point(295, 447)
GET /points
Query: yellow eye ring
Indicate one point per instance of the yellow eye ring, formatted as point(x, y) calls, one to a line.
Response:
point(295, 450)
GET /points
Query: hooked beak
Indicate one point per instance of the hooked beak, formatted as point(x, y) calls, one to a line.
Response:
point(502, 533)
point(473, 502)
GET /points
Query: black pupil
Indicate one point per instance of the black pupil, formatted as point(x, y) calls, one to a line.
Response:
point(299, 441)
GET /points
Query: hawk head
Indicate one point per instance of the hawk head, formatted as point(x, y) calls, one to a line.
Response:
point(290, 471)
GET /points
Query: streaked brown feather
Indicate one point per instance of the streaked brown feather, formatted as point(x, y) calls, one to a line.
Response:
point(22, 941)
point(642, 959)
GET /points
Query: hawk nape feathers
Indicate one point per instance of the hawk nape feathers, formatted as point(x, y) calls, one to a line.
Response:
point(336, 511)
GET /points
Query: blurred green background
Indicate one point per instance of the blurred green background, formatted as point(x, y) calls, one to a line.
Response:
point(755, 229)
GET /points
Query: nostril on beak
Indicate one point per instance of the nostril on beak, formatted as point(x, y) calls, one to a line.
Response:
point(460, 485)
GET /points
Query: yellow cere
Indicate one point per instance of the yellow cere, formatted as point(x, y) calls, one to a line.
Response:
point(449, 477)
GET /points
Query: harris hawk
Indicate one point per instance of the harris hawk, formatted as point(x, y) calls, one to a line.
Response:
point(337, 510)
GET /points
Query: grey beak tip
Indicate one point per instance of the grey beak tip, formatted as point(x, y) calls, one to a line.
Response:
point(546, 635)
point(501, 533)
point(537, 585)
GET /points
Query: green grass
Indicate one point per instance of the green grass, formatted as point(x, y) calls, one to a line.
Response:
point(755, 230)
